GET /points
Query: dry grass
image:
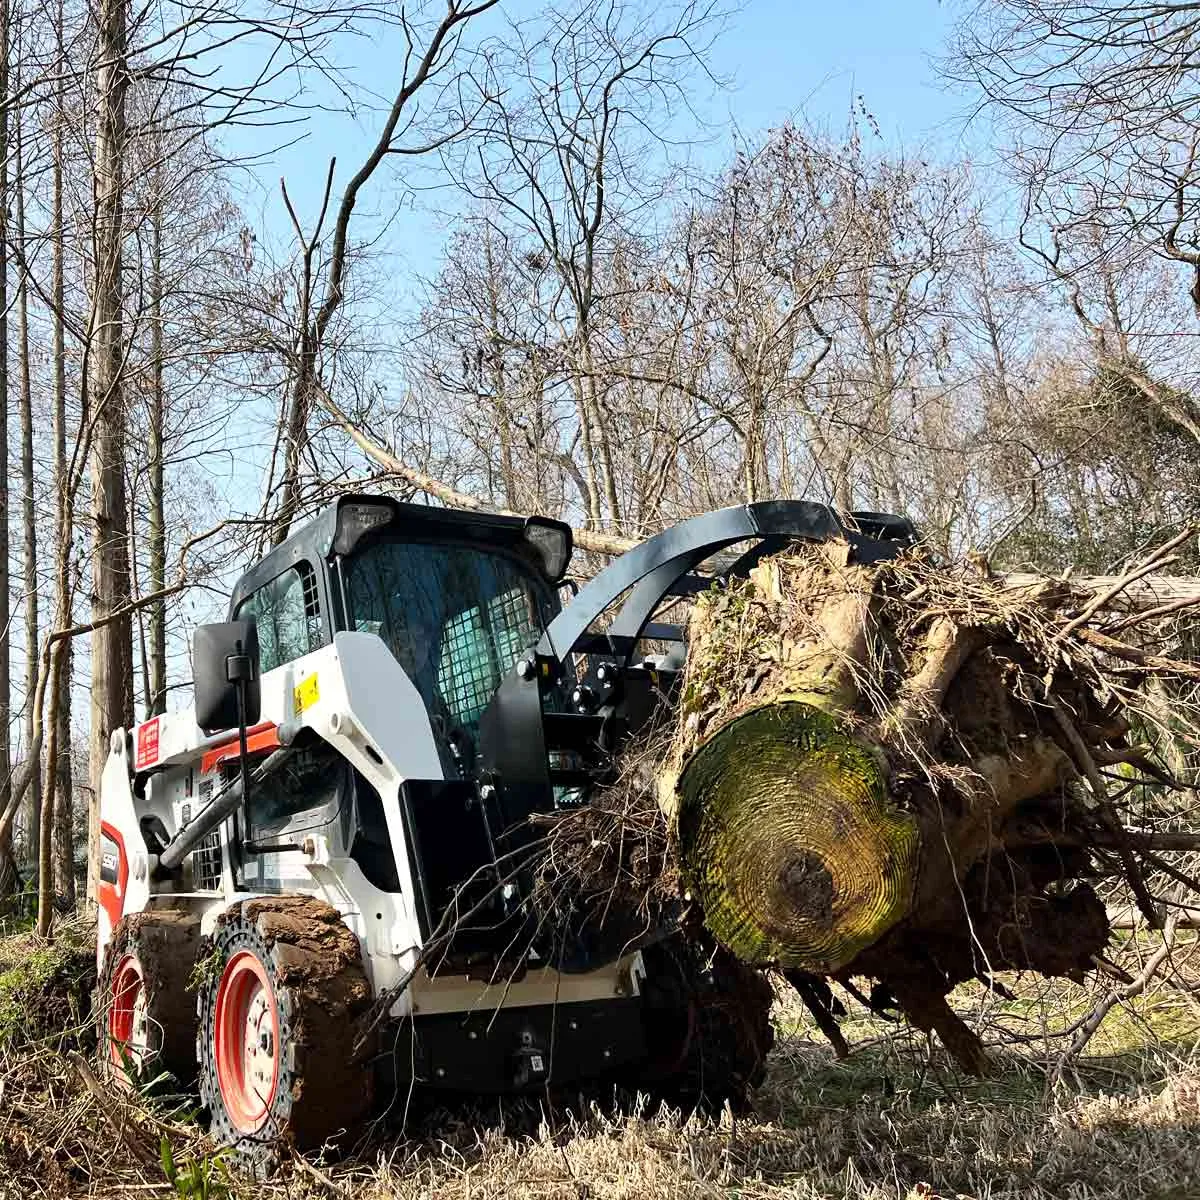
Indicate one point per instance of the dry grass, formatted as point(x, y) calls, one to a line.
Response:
point(892, 1120)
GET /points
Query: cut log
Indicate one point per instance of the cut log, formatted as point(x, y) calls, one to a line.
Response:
point(868, 779)
point(797, 855)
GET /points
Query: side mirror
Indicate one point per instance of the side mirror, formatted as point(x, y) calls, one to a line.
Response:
point(224, 662)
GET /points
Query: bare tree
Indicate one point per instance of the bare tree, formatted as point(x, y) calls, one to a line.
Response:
point(28, 491)
point(112, 645)
point(429, 64)
point(1103, 103)
point(7, 865)
point(57, 859)
point(566, 161)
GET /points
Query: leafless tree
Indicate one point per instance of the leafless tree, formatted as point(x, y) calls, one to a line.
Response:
point(431, 64)
point(1103, 105)
point(565, 164)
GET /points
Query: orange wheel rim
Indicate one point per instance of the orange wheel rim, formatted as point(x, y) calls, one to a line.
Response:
point(128, 1022)
point(246, 1037)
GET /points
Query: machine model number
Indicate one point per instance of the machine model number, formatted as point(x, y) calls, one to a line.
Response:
point(307, 693)
point(147, 745)
point(110, 860)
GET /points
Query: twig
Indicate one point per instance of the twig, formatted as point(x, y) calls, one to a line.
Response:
point(101, 1098)
point(1094, 606)
point(1095, 1018)
point(315, 1172)
point(1104, 812)
point(1143, 658)
point(1151, 614)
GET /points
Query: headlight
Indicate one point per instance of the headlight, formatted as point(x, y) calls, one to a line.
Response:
point(552, 541)
point(353, 520)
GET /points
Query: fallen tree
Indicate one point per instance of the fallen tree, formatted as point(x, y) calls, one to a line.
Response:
point(907, 773)
point(910, 773)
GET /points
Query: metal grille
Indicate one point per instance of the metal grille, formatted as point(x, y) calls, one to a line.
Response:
point(206, 863)
point(206, 858)
point(474, 656)
point(312, 607)
point(513, 625)
point(466, 674)
point(308, 580)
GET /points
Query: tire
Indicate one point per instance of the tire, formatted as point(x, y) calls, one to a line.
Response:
point(709, 1016)
point(145, 1015)
point(277, 1030)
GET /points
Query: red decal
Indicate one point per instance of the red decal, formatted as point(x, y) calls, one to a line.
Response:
point(147, 745)
point(111, 896)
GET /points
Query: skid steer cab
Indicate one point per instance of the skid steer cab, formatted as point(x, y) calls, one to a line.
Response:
point(316, 880)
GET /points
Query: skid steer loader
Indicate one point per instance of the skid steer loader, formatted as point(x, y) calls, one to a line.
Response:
point(313, 880)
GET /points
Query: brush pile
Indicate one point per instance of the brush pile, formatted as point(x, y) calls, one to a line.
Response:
point(907, 774)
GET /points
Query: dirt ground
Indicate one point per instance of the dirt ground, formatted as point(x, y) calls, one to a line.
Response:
point(893, 1120)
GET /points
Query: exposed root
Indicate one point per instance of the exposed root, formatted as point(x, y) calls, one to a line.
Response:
point(1013, 736)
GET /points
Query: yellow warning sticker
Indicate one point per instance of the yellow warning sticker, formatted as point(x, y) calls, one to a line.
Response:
point(307, 694)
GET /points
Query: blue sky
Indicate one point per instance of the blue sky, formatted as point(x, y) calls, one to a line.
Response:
point(781, 60)
point(817, 57)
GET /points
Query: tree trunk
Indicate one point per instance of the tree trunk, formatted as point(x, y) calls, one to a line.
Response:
point(62, 856)
point(8, 877)
point(157, 528)
point(29, 521)
point(866, 782)
point(112, 644)
point(59, 857)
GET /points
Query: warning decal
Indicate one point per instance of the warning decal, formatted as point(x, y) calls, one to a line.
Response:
point(147, 745)
point(307, 693)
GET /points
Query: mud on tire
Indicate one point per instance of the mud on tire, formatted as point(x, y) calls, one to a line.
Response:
point(277, 1027)
point(145, 1015)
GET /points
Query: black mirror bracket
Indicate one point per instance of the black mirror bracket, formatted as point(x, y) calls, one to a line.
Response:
point(239, 670)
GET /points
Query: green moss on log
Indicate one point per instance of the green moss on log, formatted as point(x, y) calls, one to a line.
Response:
point(789, 841)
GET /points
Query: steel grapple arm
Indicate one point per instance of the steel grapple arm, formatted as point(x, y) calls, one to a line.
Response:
point(529, 725)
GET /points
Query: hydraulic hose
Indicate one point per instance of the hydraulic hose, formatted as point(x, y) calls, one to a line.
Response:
point(222, 805)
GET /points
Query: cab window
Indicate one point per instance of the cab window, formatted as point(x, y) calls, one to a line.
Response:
point(455, 617)
point(288, 616)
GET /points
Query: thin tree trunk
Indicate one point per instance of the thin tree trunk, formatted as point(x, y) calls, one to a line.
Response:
point(157, 700)
point(58, 856)
point(33, 809)
point(62, 857)
point(296, 421)
point(112, 644)
point(594, 519)
point(592, 404)
point(7, 866)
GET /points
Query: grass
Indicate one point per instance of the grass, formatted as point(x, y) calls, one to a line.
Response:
point(44, 987)
point(893, 1120)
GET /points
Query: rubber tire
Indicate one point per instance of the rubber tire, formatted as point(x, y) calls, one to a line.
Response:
point(323, 1087)
point(708, 1016)
point(165, 944)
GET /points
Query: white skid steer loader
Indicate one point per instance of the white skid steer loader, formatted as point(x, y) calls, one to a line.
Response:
point(396, 693)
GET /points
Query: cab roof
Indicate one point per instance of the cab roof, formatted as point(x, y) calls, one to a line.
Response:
point(314, 540)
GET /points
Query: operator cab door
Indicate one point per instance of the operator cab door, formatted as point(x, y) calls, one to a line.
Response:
point(303, 794)
point(456, 616)
point(315, 791)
